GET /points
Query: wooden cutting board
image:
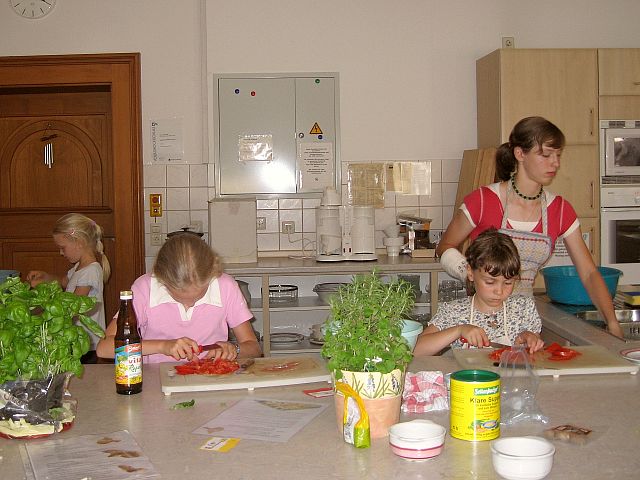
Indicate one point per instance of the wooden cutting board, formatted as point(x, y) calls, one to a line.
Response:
point(265, 372)
point(593, 359)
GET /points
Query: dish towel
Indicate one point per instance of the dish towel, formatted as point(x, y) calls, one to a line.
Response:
point(424, 392)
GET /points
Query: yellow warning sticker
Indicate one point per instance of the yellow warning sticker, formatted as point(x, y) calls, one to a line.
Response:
point(316, 130)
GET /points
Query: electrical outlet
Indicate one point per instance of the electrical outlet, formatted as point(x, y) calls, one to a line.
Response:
point(261, 223)
point(156, 239)
point(508, 42)
point(289, 227)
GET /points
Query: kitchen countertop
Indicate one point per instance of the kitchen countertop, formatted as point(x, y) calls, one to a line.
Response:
point(575, 330)
point(608, 404)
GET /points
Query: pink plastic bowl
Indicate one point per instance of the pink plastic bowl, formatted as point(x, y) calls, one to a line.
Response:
point(417, 439)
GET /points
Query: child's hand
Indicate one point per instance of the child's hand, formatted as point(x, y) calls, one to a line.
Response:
point(475, 336)
point(36, 277)
point(181, 348)
point(531, 340)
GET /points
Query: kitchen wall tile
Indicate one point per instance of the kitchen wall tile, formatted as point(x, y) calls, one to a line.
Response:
point(389, 199)
point(211, 193)
point(200, 216)
point(177, 199)
point(178, 219)
point(271, 203)
point(291, 215)
point(148, 263)
point(436, 171)
point(447, 215)
point(403, 200)
point(451, 170)
point(198, 198)
point(268, 242)
point(177, 175)
point(154, 175)
point(415, 211)
point(435, 214)
point(198, 175)
point(149, 191)
point(271, 217)
point(309, 220)
point(310, 202)
point(434, 199)
point(449, 192)
point(290, 203)
point(291, 241)
point(385, 217)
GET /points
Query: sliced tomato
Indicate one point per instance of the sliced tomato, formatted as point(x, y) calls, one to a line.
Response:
point(560, 353)
point(496, 354)
point(207, 367)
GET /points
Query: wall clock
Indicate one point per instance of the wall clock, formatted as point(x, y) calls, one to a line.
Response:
point(32, 9)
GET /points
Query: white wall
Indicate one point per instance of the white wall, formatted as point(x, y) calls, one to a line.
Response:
point(407, 68)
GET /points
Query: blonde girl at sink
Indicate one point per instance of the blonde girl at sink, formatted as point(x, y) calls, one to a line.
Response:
point(185, 302)
point(80, 241)
point(521, 207)
point(492, 314)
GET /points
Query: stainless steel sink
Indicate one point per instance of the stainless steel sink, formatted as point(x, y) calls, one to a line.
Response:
point(629, 321)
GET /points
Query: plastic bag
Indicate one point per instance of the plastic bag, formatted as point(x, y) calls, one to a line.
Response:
point(355, 419)
point(519, 384)
point(32, 408)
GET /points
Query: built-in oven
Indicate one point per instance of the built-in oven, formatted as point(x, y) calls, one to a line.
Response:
point(620, 197)
point(620, 230)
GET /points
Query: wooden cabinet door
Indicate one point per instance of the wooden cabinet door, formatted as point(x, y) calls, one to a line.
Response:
point(558, 84)
point(619, 71)
point(577, 179)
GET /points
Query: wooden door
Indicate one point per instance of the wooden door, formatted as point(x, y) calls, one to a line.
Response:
point(86, 109)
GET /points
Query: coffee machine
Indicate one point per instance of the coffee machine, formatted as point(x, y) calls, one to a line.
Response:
point(344, 232)
point(416, 232)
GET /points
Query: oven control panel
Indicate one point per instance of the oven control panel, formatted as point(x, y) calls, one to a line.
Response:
point(620, 196)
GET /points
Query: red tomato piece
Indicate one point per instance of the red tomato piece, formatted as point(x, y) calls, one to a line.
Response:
point(207, 367)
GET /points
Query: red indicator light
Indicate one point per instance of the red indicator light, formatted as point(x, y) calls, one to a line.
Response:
point(253, 94)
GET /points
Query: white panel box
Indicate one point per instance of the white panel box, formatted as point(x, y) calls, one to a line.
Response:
point(232, 229)
point(276, 134)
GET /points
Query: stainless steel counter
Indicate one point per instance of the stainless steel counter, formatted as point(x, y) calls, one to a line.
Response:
point(608, 404)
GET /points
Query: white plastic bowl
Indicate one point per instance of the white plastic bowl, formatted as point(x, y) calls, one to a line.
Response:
point(417, 439)
point(410, 332)
point(522, 458)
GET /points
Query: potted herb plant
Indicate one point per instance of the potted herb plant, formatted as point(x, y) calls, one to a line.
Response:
point(365, 348)
point(42, 337)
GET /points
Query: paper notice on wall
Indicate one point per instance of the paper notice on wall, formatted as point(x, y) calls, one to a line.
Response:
point(366, 184)
point(316, 166)
point(561, 255)
point(411, 178)
point(167, 141)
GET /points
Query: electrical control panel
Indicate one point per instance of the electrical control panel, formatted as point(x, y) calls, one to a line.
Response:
point(276, 134)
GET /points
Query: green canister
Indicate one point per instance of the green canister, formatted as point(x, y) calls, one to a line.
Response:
point(475, 405)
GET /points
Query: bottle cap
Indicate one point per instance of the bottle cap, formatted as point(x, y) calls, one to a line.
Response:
point(126, 295)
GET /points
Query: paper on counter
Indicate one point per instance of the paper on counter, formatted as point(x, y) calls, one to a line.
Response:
point(111, 456)
point(262, 419)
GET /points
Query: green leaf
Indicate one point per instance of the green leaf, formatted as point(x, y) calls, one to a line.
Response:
point(181, 405)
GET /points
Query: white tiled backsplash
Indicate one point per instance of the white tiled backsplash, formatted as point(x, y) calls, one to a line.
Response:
point(186, 189)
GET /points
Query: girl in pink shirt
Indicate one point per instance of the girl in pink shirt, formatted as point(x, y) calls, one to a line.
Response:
point(187, 301)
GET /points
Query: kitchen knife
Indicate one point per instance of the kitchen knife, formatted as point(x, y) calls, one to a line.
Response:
point(206, 348)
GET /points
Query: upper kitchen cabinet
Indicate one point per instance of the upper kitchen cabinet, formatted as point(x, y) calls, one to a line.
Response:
point(619, 83)
point(558, 84)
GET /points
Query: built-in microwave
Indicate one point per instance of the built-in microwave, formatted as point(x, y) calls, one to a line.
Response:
point(619, 150)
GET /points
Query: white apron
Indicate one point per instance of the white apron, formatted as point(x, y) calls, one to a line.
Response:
point(504, 338)
point(534, 248)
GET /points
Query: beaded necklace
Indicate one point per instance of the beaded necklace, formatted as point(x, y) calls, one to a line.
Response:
point(522, 195)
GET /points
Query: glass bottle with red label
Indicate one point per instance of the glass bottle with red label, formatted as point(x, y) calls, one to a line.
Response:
point(128, 345)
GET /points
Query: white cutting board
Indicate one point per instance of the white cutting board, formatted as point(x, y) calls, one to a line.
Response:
point(593, 359)
point(265, 372)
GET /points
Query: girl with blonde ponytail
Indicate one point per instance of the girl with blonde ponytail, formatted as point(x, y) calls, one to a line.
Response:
point(79, 239)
